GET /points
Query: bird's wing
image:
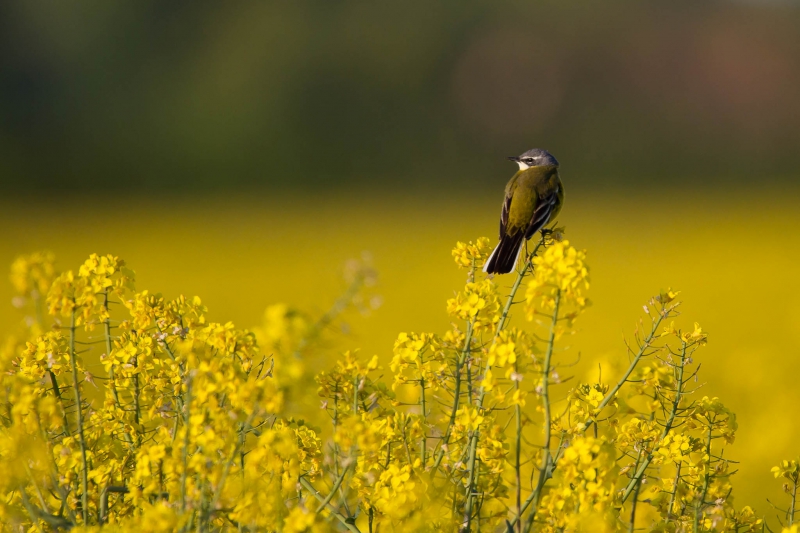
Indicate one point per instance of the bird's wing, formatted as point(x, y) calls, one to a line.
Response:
point(542, 212)
point(504, 213)
point(510, 188)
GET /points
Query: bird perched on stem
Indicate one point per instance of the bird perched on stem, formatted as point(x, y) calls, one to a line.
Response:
point(533, 199)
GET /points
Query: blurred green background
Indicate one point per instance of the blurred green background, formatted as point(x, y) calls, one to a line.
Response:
point(197, 96)
point(243, 151)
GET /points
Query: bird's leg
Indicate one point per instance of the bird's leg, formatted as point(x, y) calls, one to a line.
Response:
point(546, 232)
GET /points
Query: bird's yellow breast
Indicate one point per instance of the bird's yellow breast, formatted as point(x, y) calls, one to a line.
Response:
point(526, 188)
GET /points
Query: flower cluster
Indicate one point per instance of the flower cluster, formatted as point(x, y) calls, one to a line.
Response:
point(472, 254)
point(477, 304)
point(583, 491)
point(181, 404)
point(33, 274)
point(560, 277)
point(125, 410)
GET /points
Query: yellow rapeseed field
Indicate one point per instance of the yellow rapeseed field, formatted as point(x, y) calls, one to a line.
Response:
point(594, 391)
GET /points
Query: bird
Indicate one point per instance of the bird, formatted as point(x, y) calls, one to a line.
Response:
point(533, 198)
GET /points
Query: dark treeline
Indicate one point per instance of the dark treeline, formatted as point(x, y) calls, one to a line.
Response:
point(201, 96)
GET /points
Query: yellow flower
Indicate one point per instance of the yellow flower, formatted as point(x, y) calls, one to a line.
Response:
point(472, 255)
point(408, 348)
point(469, 418)
point(677, 447)
point(299, 520)
point(667, 296)
point(637, 433)
point(34, 272)
point(787, 469)
point(395, 494)
point(588, 395)
point(488, 381)
point(158, 518)
point(506, 347)
point(696, 336)
point(86, 294)
point(560, 272)
point(584, 483)
point(518, 398)
point(478, 304)
point(184, 426)
point(711, 411)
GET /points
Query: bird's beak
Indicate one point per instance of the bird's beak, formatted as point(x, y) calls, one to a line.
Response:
point(513, 158)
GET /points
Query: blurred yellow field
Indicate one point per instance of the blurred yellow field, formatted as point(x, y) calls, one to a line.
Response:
point(305, 193)
point(736, 269)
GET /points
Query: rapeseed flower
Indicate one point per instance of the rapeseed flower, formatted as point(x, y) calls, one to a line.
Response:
point(158, 419)
point(560, 277)
point(472, 254)
point(478, 304)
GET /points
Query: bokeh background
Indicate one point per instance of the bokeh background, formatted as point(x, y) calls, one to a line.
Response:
point(243, 151)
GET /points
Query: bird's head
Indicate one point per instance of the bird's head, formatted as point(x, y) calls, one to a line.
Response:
point(534, 158)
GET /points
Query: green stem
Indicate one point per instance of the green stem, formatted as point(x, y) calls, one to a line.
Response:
point(667, 426)
point(613, 392)
point(103, 513)
point(473, 443)
point(547, 460)
point(137, 410)
point(463, 358)
point(36, 488)
point(355, 395)
point(36, 514)
point(674, 492)
point(185, 451)
point(631, 526)
point(54, 477)
point(456, 399)
point(468, 502)
point(518, 455)
point(79, 420)
point(335, 425)
point(230, 461)
point(535, 494)
point(37, 304)
point(423, 442)
point(338, 483)
point(171, 354)
point(469, 382)
point(57, 392)
point(698, 511)
point(507, 307)
point(111, 380)
point(107, 331)
point(346, 522)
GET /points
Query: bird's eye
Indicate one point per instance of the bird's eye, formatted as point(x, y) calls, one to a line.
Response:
point(528, 160)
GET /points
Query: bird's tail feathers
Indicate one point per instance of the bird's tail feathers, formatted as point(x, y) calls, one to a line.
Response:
point(504, 257)
point(490, 259)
